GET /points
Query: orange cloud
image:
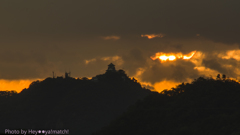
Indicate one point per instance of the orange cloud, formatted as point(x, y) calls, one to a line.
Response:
point(235, 54)
point(113, 58)
point(88, 61)
point(198, 58)
point(111, 37)
point(206, 71)
point(150, 36)
point(117, 59)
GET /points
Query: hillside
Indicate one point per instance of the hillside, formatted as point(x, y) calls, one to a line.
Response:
point(204, 107)
point(80, 105)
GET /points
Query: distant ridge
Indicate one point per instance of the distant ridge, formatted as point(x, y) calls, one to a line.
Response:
point(80, 105)
point(204, 107)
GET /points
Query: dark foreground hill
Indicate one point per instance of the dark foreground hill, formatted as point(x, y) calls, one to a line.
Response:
point(204, 107)
point(80, 105)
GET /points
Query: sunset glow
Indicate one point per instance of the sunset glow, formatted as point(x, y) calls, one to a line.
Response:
point(160, 86)
point(150, 36)
point(172, 56)
point(17, 85)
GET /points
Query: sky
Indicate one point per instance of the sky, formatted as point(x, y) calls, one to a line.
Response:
point(41, 36)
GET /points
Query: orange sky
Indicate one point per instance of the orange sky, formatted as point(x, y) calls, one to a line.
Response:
point(17, 85)
point(42, 36)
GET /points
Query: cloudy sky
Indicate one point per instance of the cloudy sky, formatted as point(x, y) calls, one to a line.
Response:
point(84, 36)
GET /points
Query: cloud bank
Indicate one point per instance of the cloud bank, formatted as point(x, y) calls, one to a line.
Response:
point(38, 37)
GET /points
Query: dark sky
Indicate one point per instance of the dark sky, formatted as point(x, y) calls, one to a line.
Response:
point(41, 36)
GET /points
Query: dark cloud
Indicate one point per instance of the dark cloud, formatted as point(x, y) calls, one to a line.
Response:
point(215, 20)
point(133, 60)
point(38, 36)
point(233, 62)
point(215, 65)
point(181, 73)
point(177, 71)
point(218, 65)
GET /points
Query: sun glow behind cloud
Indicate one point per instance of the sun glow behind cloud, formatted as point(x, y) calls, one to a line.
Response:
point(195, 57)
point(172, 56)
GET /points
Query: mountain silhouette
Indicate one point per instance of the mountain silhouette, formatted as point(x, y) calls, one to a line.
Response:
point(207, 106)
point(81, 105)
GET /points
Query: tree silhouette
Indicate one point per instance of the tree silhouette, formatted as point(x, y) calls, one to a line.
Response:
point(205, 106)
point(224, 77)
point(218, 76)
point(80, 105)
